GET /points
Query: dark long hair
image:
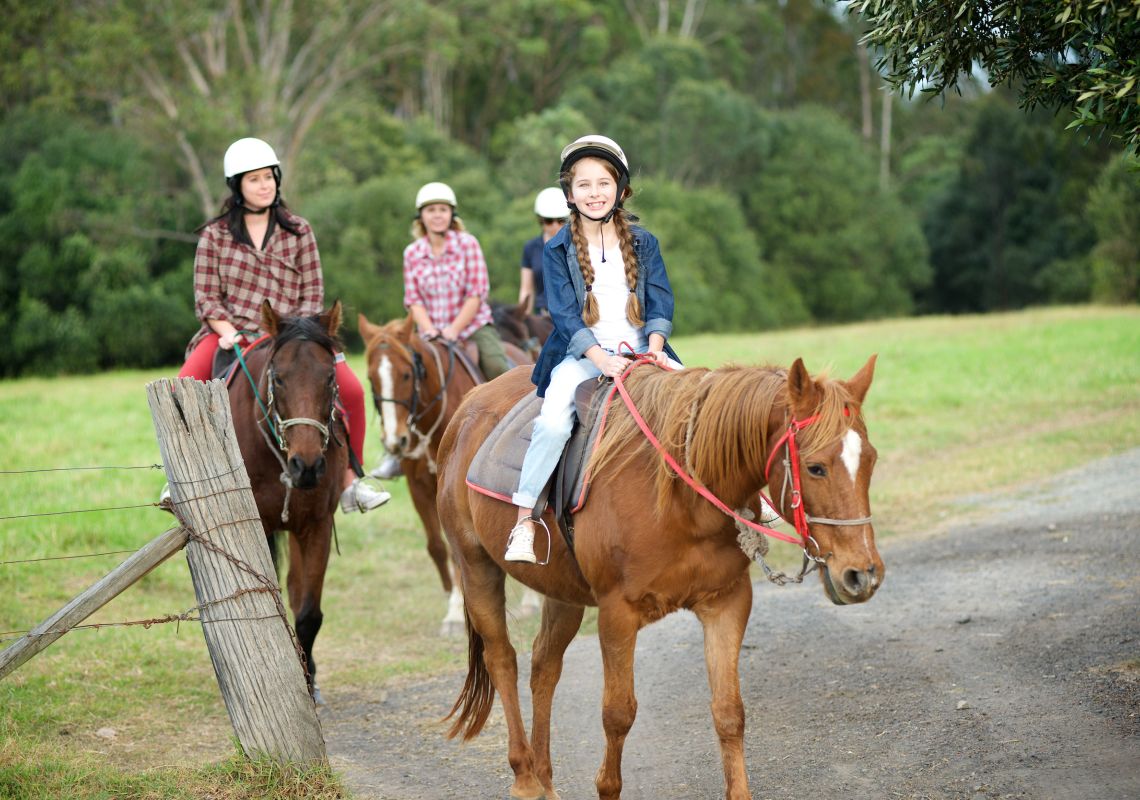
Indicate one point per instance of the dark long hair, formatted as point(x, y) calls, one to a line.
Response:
point(233, 212)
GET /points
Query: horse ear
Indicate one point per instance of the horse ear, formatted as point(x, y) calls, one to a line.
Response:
point(332, 318)
point(803, 394)
point(861, 381)
point(269, 318)
point(405, 333)
point(368, 331)
point(520, 309)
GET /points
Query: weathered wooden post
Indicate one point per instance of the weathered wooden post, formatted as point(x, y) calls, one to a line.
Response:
point(251, 646)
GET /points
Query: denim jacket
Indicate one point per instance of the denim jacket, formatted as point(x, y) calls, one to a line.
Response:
point(566, 294)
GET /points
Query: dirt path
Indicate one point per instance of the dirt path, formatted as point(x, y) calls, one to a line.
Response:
point(1001, 659)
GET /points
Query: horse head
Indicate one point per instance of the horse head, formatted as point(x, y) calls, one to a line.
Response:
point(397, 373)
point(300, 388)
point(825, 493)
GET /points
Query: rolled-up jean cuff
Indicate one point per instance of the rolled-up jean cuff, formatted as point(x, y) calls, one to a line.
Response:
point(524, 500)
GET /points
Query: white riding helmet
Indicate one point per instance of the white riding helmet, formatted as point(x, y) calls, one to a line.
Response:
point(551, 204)
point(248, 154)
point(598, 146)
point(435, 192)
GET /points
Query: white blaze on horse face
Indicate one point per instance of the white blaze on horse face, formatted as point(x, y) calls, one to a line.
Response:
point(387, 407)
point(852, 450)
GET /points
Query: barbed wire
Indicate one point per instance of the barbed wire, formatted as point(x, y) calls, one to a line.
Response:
point(65, 558)
point(192, 614)
point(71, 469)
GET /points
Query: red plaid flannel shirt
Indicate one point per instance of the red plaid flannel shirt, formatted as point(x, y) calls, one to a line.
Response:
point(231, 279)
point(441, 284)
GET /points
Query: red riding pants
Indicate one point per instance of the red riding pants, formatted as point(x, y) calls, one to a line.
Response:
point(201, 363)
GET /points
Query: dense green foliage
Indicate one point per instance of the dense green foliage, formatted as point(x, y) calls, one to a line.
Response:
point(783, 184)
point(1081, 55)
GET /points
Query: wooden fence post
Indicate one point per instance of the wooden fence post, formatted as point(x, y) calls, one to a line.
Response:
point(251, 645)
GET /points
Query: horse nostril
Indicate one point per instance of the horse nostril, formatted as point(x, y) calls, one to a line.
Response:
point(319, 467)
point(296, 465)
point(856, 581)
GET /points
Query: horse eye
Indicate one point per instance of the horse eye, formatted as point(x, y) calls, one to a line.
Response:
point(817, 470)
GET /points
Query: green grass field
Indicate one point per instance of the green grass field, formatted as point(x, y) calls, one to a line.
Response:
point(960, 407)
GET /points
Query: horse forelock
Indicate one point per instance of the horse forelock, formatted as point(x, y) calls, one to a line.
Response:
point(294, 329)
point(837, 413)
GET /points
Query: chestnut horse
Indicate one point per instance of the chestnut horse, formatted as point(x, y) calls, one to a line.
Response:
point(416, 388)
point(295, 451)
point(645, 544)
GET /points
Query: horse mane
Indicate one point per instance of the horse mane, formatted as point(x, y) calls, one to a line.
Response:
point(293, 329)
point(714, 423)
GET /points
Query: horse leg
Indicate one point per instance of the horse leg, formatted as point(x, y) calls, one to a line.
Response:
point(423, 497)
point(454, 623)
point(618, 624)
point(308, 560)
point(484, 586)
point(560, 623)
point(725, 619)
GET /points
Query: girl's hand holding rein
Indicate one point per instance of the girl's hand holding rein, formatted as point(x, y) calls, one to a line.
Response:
point(610, 365)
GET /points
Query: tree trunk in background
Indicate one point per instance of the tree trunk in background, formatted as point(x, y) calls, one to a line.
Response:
point(865, 104)
point(885, 141)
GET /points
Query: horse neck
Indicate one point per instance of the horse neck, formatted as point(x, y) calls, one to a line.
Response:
point(731, 442)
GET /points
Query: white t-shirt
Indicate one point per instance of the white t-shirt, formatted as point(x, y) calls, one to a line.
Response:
point(612, 294)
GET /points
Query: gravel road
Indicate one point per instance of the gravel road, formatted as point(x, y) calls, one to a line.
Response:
point(1001, 659)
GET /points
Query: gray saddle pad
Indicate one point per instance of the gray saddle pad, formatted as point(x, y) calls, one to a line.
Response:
point(496, 467)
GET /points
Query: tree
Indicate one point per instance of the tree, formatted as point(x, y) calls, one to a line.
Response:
point(852, 250)
point(1114, 211)
point(1014, 209)
point(195, 76)
point(1080, 55)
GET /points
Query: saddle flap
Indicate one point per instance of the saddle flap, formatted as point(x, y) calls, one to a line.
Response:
point(497, 465)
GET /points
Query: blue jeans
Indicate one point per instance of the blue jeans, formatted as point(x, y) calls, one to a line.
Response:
point(553, 426)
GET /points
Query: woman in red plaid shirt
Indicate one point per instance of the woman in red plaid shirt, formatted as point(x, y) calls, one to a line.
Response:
point(233, 275)
point(445, 279)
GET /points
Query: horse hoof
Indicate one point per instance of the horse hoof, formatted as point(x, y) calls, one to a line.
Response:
point(318, 699)
point(452, 629)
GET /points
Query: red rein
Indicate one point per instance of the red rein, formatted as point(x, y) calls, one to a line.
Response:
point(798, 515)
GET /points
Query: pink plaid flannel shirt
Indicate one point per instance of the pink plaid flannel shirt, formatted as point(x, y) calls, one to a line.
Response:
point(441, 284)
point(231, 279)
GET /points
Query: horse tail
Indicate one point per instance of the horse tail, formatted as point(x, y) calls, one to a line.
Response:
point(478, 693)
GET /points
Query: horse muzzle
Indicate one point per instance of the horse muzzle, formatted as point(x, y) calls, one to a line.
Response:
point(849, 585)
point(304, 474)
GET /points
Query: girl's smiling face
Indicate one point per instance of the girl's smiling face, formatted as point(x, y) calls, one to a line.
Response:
point(593, 187)
point(259, 188)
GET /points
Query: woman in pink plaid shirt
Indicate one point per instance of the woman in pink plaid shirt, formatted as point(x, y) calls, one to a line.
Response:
point(445, 279)
point(233, 275)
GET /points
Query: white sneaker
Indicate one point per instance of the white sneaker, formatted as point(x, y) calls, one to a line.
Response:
point(165, 502)
point(520, 543)
point(768, 515)
point(388, 468)
point(359, 496)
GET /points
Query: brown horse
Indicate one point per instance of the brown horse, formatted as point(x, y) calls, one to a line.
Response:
point(646, 544)
point(416, 388)
point(525, 331)
point(295, 451)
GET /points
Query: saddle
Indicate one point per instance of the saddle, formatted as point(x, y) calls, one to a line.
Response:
point(497, 465)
